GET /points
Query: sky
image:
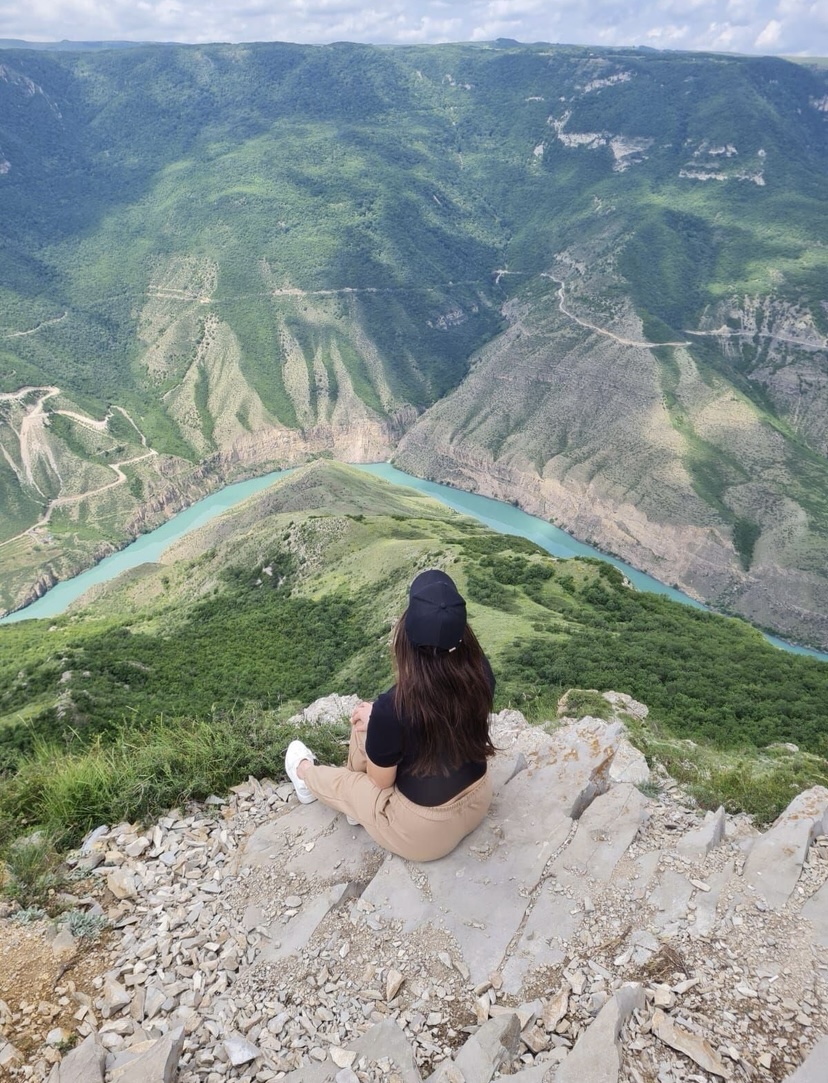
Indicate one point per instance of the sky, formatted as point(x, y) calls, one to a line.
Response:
point(791, 27)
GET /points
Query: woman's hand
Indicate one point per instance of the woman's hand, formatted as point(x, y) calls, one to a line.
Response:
point(360, 715)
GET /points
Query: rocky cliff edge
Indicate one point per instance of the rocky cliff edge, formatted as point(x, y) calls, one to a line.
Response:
point(596, 928)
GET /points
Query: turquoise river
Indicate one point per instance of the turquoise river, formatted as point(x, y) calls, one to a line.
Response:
point(504, 518)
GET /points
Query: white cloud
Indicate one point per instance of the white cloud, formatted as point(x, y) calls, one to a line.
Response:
point(685, 7)
point(667, 37)
point(740, 11)
point(429, 29)
point(753, 26)
point(770, 35)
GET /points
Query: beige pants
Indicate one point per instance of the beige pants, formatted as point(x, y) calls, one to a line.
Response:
point(415, 832)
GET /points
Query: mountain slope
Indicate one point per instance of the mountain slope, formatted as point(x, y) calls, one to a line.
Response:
point(264, 252)
point(293, 594)
point(648, 452)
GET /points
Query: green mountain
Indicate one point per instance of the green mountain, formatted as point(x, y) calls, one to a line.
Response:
point(589, 280)
point(292, 596)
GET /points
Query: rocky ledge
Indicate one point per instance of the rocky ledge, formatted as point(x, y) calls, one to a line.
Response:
point(597, 928)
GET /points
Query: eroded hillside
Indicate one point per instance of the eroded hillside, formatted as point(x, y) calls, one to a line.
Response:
point(646, 450)
point(595, 276)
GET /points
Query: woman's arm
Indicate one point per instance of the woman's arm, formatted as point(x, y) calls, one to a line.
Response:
point(382, 777)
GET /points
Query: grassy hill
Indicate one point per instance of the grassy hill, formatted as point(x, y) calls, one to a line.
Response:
point(264, 252)
point(292, 596)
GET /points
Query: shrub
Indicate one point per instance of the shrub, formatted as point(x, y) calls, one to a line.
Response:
point(31, 871)
point(85, 926)
point(580, 702)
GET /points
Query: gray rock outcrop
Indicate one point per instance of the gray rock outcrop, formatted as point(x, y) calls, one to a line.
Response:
point(584, 933)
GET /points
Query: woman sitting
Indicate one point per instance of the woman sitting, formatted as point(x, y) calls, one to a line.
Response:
point(416, 777)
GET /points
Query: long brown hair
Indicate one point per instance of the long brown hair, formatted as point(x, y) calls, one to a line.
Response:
point(447, 697)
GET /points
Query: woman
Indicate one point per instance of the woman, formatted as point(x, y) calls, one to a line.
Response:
point(416, 777)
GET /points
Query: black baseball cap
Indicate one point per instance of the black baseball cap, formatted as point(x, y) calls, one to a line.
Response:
point(436, 615)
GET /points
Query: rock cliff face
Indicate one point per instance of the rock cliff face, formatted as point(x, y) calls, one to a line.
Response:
point(642, 450)
point(779, 345)
point(356, 440)
point(586, 931)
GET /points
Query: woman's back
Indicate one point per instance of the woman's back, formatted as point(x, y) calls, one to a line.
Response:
point(394, 738)
point(433, 725)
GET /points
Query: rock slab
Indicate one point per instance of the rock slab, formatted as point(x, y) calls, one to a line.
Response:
point(84, 1064)
point(775, 861)
point(596, 1057)
point(815, 1067)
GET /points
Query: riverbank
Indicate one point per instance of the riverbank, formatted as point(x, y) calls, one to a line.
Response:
point(496, 514)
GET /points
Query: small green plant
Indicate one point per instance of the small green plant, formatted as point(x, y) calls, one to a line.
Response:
point(85, 926)
point(138, 776)
point(30, 914)
point(649, 788)
point(31, 870)
point(743, 780)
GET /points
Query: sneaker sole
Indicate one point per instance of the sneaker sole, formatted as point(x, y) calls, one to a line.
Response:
point(296, 752)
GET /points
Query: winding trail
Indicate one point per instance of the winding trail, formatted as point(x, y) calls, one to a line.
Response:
point(22, 392)
point(62, 501)
point(121, 410)
point(295, 291)
point(40, 326)
point(501, 272)
point(727, 332)
point(602, 330)
point(34, 445)
point(87, 422)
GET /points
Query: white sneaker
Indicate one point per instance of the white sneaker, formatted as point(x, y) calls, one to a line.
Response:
point(352, 821)
point(296, 752)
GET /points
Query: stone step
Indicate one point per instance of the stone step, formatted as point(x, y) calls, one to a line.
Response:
point(815, 910)
point(155, 1061)
point(383, 1042)
point(605, 831)
point(707, 902)
point(83, 1064)
point(697, 844)
point(494, 1046)
point(669, 898)
point(478, 893)
point(314, 839)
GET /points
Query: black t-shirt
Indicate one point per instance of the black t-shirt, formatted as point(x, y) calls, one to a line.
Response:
point(391, 741)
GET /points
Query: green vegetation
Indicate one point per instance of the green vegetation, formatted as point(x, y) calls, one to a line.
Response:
point(761, 782)
point(745, 536)
point(580, 702)
point(148, 183)
point(31, 877)
point(218, 238)
point(137, 775)
point(85, 926)
point(185, 687)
